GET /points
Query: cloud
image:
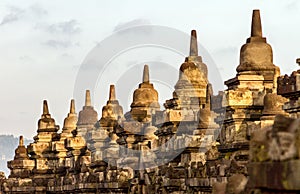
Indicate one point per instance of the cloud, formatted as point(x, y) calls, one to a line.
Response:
point(58, 44)
point(130, 24)
point(68, 27)
point(14, 15)
point(38, 10)
point(62, 31)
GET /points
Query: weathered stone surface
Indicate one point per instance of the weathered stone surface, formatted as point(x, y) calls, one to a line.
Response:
point(275, 175)
point(256, 55)
point(179, 149)
point(87, 116)
point(145, 99)
point(46, 123)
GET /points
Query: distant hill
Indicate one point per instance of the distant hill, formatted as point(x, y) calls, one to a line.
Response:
point(8, 144)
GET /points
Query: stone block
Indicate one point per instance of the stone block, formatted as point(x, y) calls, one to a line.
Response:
point(284, 175)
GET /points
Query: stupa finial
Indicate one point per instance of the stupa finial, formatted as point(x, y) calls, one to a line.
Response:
point(45, 108)
point(21, 141)
point(146, 74)
point(256, 29)
point(88, 98)
point(193, 44)
point(112, 92)
point(72, 106)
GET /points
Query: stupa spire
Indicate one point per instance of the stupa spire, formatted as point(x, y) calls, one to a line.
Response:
point(45, 108)
point(146, 74)
point(72, 107)
point(71, 120)
point(193, 44)
point(112, 93)
point(21, 141)
point(298, 61)
point(145, 99)
point(256, 29)
point(112, 109)
point(88, 98)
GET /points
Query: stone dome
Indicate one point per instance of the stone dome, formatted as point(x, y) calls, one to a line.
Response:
point(112, 109)
point(145, 95)
point(256, 55)
point(46, 123)
point(21, 151)
point(193, 68)
point(193, 72)
point(273, 104)
point(87, 116)
point(71, 120)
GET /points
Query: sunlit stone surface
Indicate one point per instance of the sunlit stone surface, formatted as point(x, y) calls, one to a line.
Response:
point(246, 139)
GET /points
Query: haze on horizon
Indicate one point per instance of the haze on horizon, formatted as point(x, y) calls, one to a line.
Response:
point(43, 44)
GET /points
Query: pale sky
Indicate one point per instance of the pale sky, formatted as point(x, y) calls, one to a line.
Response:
point(44, 43)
